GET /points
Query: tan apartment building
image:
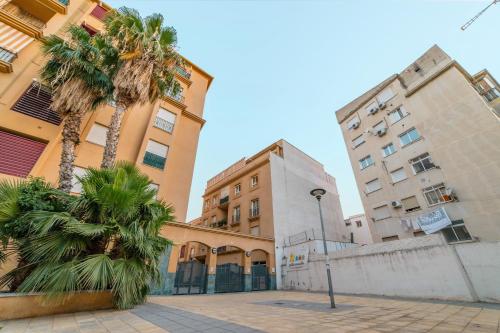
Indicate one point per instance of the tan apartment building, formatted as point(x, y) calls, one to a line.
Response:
point(267, 195)
point(360, 229)
point(425, 142)
point(161, 138)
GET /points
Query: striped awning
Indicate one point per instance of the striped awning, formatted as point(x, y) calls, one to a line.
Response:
point(12, 39)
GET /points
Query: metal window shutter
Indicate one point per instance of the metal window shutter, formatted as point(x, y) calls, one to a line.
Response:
point(35, 102)
point(18, 154)
point(99, 12)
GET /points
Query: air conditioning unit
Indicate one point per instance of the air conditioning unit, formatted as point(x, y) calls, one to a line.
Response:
point(373, 110)
point(382, 106)
point(396, 204)
point(355, 125)
point(382, 131)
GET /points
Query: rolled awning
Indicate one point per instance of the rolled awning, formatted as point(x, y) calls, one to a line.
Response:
point(12, 39)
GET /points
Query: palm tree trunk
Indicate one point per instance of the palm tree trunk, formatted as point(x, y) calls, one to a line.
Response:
point(109, 156)
point(70, 139)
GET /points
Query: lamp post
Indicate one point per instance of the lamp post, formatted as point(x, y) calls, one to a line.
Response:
point(318, 193)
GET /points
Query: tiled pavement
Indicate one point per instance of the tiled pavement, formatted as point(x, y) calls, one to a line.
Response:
point(274, 311)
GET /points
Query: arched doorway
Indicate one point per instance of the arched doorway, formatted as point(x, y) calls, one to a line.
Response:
point(229, 274)
point(260, 270)
point(191, 270)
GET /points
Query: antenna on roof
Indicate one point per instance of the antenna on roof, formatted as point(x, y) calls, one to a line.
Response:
point(466, 25)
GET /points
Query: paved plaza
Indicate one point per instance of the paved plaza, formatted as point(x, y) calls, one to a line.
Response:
point(272, 311)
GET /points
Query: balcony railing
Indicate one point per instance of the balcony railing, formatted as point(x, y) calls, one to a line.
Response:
point(254, 213)
point(178, 97)
point(6, 55)
point(163, 124)
point(154, 160)
point(219, 224)
point(491, 94)
point(224, 201)
point(183, 72)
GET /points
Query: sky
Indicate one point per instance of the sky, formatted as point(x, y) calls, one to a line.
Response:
point(282, 68)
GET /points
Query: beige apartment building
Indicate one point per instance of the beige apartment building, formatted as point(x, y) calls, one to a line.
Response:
point(424, 139)
point(161, 138)
point(267, 195)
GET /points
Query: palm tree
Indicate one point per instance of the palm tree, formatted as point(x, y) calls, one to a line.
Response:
point(148, 61)
point(107, 238)
point(79, 85)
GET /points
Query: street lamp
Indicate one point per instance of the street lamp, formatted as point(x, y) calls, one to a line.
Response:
point(318, 193)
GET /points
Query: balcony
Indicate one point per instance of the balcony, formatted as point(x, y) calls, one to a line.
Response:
point(176, 99)
point(6, 58)
point(182, 71)
point(21, 20)
point(491, 94)
point(224, 202)
point(220, 224)
point(253, 214)
point(164, 125)
point(154, 160)
point(57, 6)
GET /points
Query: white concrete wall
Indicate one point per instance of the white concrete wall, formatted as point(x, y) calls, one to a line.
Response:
point(423, 267)
point(294, 209)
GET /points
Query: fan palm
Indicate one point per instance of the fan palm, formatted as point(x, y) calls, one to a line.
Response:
point(148, 61)
point(107, 238)
point(78, 72)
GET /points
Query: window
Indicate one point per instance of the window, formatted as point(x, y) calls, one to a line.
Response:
point(385, 95)
point(422, 163)
point(165, 120)
point(353, 123)
point(236, 214)
point(207, 204)
point(214, 201)
point(359, 224)
point(410, 204)
point(347, 223)
point(398, 175)
point(436, 194)
point(254, 181)
point(205, 222)
point(98, 134)
point(155, 155)
point(214, 219)
point(254, 208)
point(18, 155)
point(388, 149)
point(237, 189)
point(365, 162)
point(397, 115)
point(456, 232)
point(255, 231)
point(154, 187)
point(418, 233)
point(358, 141)
point(373, 186)
point(76, 186)
point(409, 136)
point(390, 238)
point(382, 212)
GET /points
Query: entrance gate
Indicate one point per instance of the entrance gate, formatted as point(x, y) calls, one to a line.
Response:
point(259, 277)
point(229, 278)
point(190, 278)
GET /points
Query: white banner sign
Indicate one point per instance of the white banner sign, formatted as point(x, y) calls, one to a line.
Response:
point(434, 221)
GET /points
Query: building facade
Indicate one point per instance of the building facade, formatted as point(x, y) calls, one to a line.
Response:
point(267, 195)
point(161, 138)
point(360, 229)
point(424, 139)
